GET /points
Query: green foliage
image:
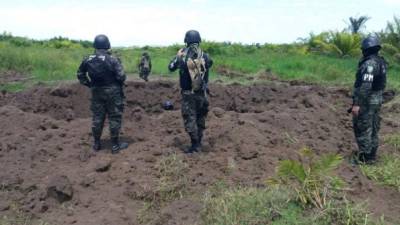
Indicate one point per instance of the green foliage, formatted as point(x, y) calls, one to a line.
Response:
point(392, 33)
point(244, 206)
point(340, 44)
point(57, 59)
point(385, 172)
point(251, 206)
point(310, 178)
point(393, 140)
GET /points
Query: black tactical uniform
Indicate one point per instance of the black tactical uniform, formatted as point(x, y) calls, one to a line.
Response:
point(194, 103)
point(367, 99)
point(104, 75)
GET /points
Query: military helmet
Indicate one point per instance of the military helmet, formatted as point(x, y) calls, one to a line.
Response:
point(145, 54)
point(192, 36)
point(370, 42)
point(168, 105)
point(101, 42)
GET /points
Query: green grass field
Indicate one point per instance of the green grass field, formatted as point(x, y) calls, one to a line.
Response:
point(288, 62)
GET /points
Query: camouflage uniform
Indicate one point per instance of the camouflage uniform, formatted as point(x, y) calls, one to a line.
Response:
point(145, 66)
point(194, 113)
point(106, 78)
point(194, 103)
point(368, 89)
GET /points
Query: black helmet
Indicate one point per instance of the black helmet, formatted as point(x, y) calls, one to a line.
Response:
point(370, 42)
point(168, 105)
point(101, 42)
point(192, 36)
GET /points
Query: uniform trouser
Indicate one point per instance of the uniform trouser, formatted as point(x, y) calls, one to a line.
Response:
point(194, 113)
point(107, 101)
point(366, 127)
point(144, 74)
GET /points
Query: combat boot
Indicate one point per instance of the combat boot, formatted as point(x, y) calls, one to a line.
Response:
point(96, 144)
point(195, 146)
point(117, 146)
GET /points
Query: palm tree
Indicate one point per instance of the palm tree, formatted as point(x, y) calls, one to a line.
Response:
point(356, 24)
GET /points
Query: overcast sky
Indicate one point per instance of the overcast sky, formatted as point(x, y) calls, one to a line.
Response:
point(157, 22)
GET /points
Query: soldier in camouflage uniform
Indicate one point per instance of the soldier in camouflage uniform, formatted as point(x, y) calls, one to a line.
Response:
point(367, 99)
point(104, 75)
point(144, 66)
point(194, 102)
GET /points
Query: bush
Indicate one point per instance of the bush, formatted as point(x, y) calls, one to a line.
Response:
point(310, 178)
point(340, 44)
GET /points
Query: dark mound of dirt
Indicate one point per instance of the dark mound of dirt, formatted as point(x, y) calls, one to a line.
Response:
point(45, 148)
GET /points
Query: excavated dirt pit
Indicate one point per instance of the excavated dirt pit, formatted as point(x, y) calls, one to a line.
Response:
point(49, 171)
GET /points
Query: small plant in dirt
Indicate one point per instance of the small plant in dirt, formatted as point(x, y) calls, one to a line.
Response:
point(172, 177)
point(310, 178)
point(171, 185)
point(385, 172)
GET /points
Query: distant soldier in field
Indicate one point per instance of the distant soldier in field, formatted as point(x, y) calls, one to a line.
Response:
point(104, 75)
point(144, 66)
point(193, 65)
point(367, 100)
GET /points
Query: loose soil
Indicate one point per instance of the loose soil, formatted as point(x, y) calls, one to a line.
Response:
point(48, 169)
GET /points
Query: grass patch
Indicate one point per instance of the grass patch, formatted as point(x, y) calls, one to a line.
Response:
point(251, 206)
point(393, 140)
point(172, 179)
point(385, 172)
point(303, 192)
point(172, 183)
point(288, 62)
point(12, 87)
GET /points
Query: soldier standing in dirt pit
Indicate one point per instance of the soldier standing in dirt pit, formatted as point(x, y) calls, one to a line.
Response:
point(367, 100)
point(193, 65)
point(144, 66)
point(106, 79)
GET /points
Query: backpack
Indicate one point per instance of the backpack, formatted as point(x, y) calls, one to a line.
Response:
point(196, 65)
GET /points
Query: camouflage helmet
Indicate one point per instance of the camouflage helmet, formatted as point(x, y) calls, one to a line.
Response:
point(370, 42)
point(101, 42)
point(192, 36)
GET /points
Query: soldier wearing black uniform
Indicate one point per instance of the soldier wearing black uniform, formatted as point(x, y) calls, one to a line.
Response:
point(194, 101)
point(104, 75)
point(367, 99)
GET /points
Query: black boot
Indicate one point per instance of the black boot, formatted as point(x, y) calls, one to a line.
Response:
point(117, 146)
point(96, 144)
point(194, 147)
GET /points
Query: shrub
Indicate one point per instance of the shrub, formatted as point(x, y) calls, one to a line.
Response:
point(341, 44)
point(310, 178)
